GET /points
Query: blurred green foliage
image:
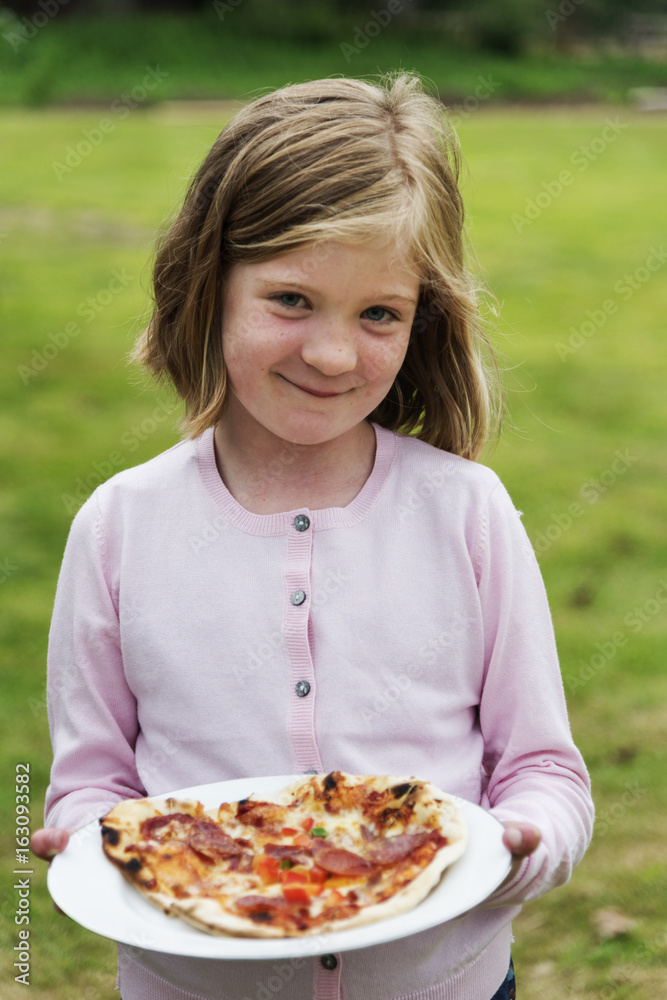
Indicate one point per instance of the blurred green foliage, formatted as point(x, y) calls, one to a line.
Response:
point(238, 49)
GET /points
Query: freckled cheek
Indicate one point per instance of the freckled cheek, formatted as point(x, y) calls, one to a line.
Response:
point(252, 353)
point(384, 364)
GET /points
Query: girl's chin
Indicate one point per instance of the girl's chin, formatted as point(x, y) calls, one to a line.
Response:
point(314, 429)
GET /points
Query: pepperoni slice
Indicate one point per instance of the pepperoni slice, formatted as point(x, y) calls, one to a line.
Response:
point(290, 851)
point(161, 827)
point(389, 850)
point(208, 839)
point(338, 861)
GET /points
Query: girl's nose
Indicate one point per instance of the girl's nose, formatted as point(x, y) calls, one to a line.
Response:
point(331, 350)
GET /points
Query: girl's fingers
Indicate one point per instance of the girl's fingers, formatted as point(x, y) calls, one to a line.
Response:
point(521, 838)
point(48, 842)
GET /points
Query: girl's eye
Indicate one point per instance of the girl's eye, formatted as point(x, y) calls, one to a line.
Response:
point(375, 314)
point(290, 299)
point(293, 300)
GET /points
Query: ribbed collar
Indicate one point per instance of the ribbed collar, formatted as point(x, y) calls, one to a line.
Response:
point(277, 524)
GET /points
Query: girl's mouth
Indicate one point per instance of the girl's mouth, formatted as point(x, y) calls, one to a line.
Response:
point(312, 392)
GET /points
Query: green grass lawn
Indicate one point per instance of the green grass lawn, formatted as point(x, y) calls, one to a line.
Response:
point(580, 275)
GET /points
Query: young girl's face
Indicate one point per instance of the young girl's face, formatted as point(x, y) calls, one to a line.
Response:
point(314, 338)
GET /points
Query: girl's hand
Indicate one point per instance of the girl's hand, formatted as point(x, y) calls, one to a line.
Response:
point(521, 839)
point(48, 842)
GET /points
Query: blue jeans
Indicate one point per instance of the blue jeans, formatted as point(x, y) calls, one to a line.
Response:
point(508, 989)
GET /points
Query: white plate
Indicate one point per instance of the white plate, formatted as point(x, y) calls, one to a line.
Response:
point(94, 893)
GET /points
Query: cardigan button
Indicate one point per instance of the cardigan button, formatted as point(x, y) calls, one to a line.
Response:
point(301, 522)
point(298, 597)
point(302, 688)
point(329, 962)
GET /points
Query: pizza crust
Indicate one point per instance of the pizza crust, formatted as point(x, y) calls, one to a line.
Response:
point(429, 808)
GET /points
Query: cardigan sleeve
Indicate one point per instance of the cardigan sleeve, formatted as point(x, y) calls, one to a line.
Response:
point(92, 711)
point(534, 771)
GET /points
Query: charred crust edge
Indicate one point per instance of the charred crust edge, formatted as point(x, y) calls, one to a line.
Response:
point(330, 782)
point(111, 835)
point(398, 791)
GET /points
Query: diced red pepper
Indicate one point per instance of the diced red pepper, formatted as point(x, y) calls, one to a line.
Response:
point(291, 877)
point(296, 894)
point(317, 875)
point(302, 840)
point(308, 824)
point(288, 831)
point(268, 868)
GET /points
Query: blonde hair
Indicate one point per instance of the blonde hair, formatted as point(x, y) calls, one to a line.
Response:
point(334, 159)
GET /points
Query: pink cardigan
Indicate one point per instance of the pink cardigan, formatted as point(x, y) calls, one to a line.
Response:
point(417, 618)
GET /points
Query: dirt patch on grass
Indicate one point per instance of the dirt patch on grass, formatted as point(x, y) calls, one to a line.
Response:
point(85, 224)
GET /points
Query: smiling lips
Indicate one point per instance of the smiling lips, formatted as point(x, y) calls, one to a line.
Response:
point(313, 392)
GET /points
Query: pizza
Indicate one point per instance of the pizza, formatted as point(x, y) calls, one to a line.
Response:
point(327, 852)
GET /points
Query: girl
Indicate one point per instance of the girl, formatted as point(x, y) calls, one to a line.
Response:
point(303, 584)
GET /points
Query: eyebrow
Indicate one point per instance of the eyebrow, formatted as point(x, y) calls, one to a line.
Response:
point(382, 297)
